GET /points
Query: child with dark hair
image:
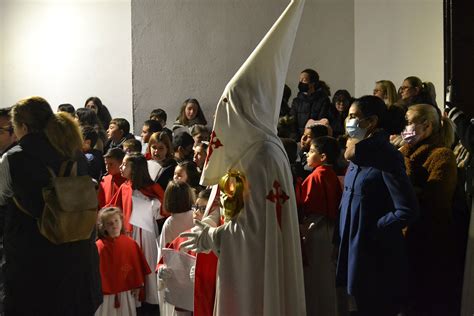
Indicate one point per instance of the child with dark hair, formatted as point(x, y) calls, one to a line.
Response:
point(341, 102)
point(66, 107)
point(87, 117)
point(123, 267)
point(186, 171)
point(200, 133)
point(179, 198)
point(310, 132)
point(95, 104)
point(190, 114)
point(321, 193)
point(132, 145)
point(112, 181)
point(200, 155)
point(117, 133)
point(183, 146)
point(149, 128)
point(140, 187)
point(161, 116)
point(95, 161)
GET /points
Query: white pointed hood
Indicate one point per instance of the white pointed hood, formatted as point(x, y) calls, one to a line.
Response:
point(248, 109)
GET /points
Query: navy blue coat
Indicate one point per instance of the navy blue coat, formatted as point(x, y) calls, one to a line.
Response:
point(378, 201)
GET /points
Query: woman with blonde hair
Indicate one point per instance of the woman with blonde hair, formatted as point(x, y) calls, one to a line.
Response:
point(385, 89)
point(68, 281)
point(431, 167)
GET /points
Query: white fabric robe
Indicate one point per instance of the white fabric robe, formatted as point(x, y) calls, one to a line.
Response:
point(259, 269)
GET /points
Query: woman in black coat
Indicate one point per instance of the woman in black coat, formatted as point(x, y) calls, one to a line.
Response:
point(42, 278)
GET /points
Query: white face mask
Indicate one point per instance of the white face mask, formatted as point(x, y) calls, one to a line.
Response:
point(354, 130)
point(409, 135)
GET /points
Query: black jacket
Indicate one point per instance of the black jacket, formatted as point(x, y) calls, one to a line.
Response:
point(42, 278)
point(304, 107)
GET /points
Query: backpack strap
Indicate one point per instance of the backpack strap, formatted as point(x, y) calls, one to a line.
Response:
point(68, 168)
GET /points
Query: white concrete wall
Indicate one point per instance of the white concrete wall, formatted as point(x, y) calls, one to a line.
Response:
point(395, 39)
point(185, 48)
point(67, 51)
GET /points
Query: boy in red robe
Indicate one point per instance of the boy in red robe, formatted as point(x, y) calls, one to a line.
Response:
point(123, 266)
point(111, 182)
point(321, 193)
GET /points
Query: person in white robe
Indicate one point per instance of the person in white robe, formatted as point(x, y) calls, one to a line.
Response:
point(260, 266)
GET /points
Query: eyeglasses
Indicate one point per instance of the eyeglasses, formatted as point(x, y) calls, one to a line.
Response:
point(8, 129)
point(199, 208)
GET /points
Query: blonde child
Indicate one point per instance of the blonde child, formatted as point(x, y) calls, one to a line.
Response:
point(123, 266)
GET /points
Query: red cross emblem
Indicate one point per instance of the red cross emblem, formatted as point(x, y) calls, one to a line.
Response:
point(214, 143)
point(279, 197)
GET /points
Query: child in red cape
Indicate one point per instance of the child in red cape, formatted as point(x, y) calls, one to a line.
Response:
point(122, 265)
point(111, 182)
point(140, 186)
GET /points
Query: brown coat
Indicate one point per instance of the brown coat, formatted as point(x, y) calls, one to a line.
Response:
point(433, 172)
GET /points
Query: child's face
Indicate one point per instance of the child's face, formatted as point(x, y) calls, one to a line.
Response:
point(145, 134)
point(113, 225)
point(126, 169)
point(86, 146)
point(199, 208)
point(114, 132)
point(91, 105)
point(314, 158)
point(180, 174)
point(158, 151)
point(112, 166)
point(199, 156)
point(306, 139)
point(190, 111)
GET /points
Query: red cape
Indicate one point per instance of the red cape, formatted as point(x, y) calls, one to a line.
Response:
point(107, 188)
point(122, 264)
point(321, 192)
point(123, 199)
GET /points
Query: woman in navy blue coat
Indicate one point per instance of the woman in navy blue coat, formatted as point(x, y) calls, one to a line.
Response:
point(378, 202)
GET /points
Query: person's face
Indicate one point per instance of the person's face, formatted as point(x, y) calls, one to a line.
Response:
point(7, 137)
point(185, 153)
point(355, 112)
point(114, 133)
point(199, 156)
point(145, 133)
point(314, 158)
point(112, 166)
point(180, 174)
point(86, 146)
point(113, 225)
point(378, 91)
point(91, 105)
point(407, 91)
point(304, 78)
point(158, 151)
point(340, 106)
point(199, 208)
point(190, 111)
point(126, 169)
point(306, 139)
point(422, 129)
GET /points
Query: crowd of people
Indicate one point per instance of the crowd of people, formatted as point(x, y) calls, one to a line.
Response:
point(375, 180)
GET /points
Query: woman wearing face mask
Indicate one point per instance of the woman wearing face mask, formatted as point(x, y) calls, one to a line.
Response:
point(312, 101)
point(431, 166)
point(378, 201)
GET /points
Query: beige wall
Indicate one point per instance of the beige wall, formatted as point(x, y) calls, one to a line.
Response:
point(67, 51)
point(395, 39)
point(185, 48)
